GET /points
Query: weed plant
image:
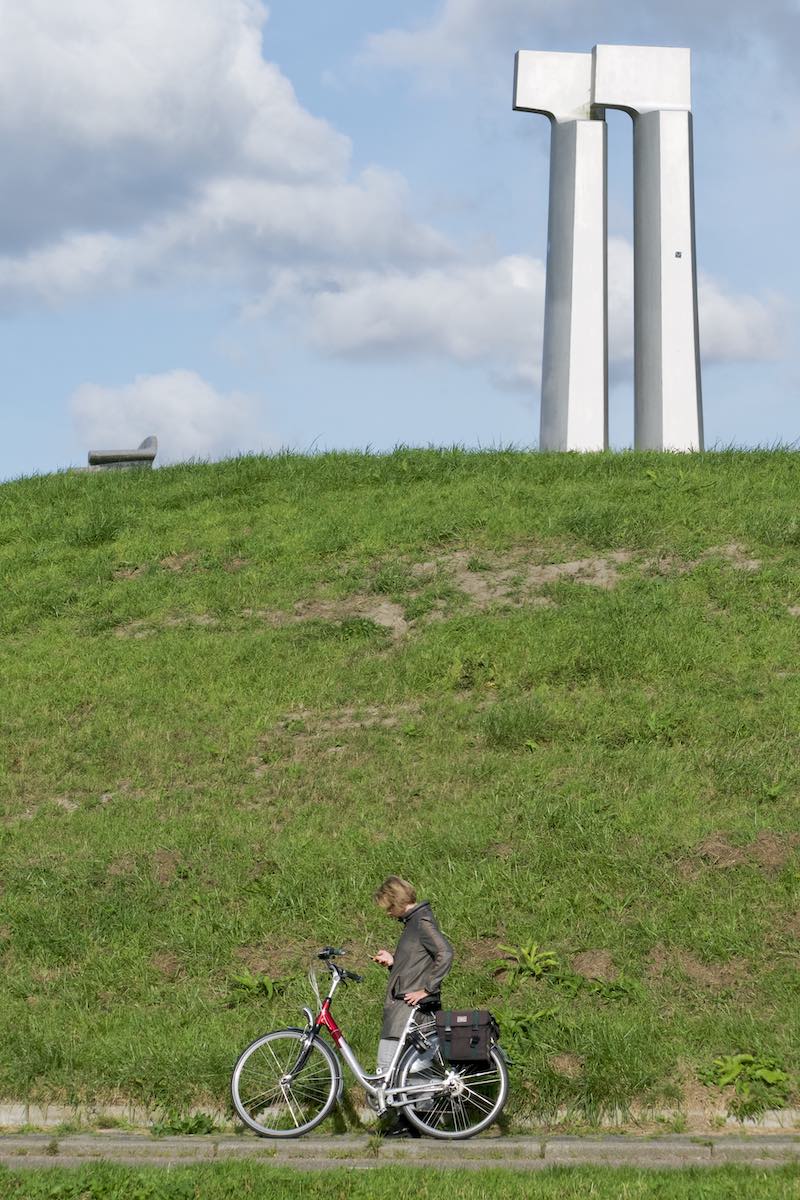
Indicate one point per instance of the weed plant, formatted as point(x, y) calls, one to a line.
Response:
point(212, 750)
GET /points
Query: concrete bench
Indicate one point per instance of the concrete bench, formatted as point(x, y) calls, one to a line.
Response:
point(110, 460)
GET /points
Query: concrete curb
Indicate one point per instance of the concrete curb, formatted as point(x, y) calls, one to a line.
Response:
point(20, 1151)
point(16, 1114)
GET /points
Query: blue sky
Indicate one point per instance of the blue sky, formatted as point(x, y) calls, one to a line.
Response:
point(322, 224)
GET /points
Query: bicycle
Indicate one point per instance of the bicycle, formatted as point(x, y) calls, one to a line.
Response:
point(288, 1081)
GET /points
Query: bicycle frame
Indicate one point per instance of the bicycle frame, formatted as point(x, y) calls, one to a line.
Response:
point(375, 1084)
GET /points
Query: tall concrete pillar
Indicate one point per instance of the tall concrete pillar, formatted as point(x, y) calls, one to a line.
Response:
point(653, 84)
point(574, 408)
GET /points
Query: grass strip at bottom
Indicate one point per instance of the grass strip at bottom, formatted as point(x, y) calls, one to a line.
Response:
point(227, 1180)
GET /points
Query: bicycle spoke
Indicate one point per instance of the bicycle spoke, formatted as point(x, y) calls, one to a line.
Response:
point(263, 1100)
point(460, 1100)
point(480, 1079)
point(287, 1097)
point(275, 1093)
point(439, 1109)
point(480, 1101)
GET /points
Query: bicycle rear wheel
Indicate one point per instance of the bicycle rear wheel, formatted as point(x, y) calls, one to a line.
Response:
point(460, 1099)
point(280, 1091)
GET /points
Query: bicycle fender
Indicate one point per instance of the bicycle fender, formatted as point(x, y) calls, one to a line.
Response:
point(316, 1038)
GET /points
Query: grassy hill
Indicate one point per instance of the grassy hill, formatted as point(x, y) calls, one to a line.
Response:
point(560, 693)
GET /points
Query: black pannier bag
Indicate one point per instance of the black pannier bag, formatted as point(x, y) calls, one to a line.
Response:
point(466, 1036)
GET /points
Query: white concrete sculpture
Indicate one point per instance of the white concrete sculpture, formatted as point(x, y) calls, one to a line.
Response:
point(653, 84)
point(574, 356)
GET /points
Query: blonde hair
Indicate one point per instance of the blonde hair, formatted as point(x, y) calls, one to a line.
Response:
point(395, 893)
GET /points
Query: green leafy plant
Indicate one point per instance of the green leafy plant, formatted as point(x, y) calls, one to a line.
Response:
point(174, 1124)
point(473, 671)
point(526, 960)
point(615, 990)
point(758, 1081)
point(567, 982)
point(255, 987)
point(521, 1027)
point(476, 563)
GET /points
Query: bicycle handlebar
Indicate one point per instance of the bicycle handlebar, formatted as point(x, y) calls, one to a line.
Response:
point(328, 952)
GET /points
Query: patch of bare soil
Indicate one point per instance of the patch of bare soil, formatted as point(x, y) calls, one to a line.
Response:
point(304, 724)
point(275, 962)
point(663, 962)
point(702, 1106)
point(378, 609)
point(47, 974)
point(130, 572)
point(734, 553)
point(119, 867)
point(514, 576)
point(770, 851)
point(479, 952)
point(303, 731)
point(134, 629)
point(569, 1065)
point(502, 850)
point(595, 964)
point(202, 620)
point(167, 964)
point(794, 610)
point(716, 851)
point(143, 629)
point(165, 866)
point(178, 562)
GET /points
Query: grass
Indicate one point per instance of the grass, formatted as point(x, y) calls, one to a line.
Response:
point(236, 696)
point(220, 1182)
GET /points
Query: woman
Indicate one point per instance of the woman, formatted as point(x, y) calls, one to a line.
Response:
point(421, 959)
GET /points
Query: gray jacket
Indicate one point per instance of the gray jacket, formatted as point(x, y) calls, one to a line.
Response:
point(422, 959)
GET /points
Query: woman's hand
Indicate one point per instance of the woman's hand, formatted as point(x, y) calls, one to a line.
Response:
point(414, 998)
point(384, 958)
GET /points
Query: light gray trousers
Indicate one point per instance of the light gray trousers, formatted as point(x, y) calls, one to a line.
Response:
point(387, 1048)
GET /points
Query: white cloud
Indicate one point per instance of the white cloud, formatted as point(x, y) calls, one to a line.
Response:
point(236, 230)
point(152, 143)
point(735, 327)
point(110, 111)
point(489, 313)
point(190, 418)
point(492, 313)
point(464, 31)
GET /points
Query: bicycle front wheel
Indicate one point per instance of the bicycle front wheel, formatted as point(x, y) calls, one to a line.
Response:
point(459, 1099)
point(280, 1088)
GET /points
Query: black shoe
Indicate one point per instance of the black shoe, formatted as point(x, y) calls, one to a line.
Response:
point(401, 1128)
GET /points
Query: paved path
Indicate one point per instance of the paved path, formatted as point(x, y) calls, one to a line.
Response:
point(314, 1153)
